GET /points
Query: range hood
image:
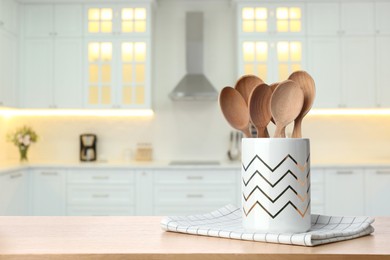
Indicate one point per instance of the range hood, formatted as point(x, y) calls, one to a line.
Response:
point(194, 85)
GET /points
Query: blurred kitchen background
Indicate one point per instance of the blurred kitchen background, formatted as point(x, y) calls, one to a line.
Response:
point(48, 78)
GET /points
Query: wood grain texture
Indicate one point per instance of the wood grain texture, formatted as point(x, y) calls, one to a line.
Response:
point(260, 108)
point(306, 82)
point(235, 109)
point(286, 104)
point(142, 238)
point(246, 84)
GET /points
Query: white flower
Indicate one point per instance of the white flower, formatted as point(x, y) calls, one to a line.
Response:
point(20, 138)
point(26, 140)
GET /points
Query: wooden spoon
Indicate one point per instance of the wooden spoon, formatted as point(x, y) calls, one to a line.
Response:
point(246, 84)
point(306, 82)
point(273, 86)
point(235, 110)
point(286, 104)
point(259, 108)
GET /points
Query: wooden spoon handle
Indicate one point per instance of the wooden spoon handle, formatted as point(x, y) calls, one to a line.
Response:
point(262, 132)
point(246, 132)
point(297, 132)
point(279, 131)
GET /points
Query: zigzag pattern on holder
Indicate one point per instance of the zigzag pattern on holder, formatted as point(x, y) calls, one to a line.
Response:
point(302, 214)
point(301, 167)
point(302, 183)
point(274, 200)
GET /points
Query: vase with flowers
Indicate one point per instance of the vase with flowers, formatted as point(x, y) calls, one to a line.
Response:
point(23, 137)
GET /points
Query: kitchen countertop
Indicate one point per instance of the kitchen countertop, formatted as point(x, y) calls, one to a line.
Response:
point(142, 238)
point(11, 166)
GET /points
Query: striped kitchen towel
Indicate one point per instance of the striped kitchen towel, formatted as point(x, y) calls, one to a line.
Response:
point(226, 222)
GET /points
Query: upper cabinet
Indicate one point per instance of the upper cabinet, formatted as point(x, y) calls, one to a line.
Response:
point(130, 19)
point(357, 18)
point(9, 16)
point(382, 18)
point(271, 19)
point(118, 56)
point(270, 39)
point(323, 18)
point(52, 55)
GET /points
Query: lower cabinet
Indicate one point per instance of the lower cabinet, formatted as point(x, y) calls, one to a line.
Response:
point(317, 191)
point(100, 192)
point(377, 192)
point(14, 190)
point(48, 192)
point(344, 192)
point(183, 191)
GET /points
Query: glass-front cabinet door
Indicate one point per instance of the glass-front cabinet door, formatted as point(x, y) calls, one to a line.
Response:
point(118, 55)
point(263, 30)
point(118, 20)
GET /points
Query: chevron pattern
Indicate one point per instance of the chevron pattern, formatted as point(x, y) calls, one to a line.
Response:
point(302, 181)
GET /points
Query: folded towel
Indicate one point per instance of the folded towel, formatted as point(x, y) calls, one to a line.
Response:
point(226, 222)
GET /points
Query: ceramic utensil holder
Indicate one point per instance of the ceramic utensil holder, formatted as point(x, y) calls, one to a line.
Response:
point(276, 184)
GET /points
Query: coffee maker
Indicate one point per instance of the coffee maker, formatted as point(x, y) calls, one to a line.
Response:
point(88, 147)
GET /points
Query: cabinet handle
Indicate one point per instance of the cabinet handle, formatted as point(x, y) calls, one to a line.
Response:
point(344, 172)
point(194, 177)
point(382, 172)
point(100, 177)
point(15, 176)
point(100, 196)
point(194, 195)
point(49, 173)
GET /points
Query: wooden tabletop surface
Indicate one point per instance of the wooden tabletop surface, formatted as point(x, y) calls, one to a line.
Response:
point(142, 238)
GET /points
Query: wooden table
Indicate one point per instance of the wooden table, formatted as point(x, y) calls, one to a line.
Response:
point(142, 238)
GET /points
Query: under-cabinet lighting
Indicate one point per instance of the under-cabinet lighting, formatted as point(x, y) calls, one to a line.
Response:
point(350, 112)
point(78, 112)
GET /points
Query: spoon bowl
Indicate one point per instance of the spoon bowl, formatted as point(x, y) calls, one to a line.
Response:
point(286, 104)
point(306, 82)
point(259, 109)
point(235, 109)
point(246, 84)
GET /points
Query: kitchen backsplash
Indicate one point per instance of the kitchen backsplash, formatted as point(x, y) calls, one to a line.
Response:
point(190, 131)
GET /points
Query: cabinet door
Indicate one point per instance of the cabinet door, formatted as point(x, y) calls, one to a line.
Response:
point(68, 88)
point(68, 20)
point(8, 68)
point(324, 65)
point(15, 192)
point(38, 20)
point(357, 18)
point(382, 70)
point(38, 73)
point(382, 18)
point(358, 78)
point(377, 192)
point(48, 192)
point(344, 192)
point(323, 18)
point(10, 16)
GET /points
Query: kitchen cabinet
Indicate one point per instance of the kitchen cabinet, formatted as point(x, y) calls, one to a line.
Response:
point(324, 63)
point(382, 70)
point(101, 192)
point(9, 16)
point(118, 56)
point(52, 71)
point(186, 191)
point(9, 44)
point(382, 18)
point(270, 39)
point(14, 191)
point(357, 18)
point(377, 192)
point(132, 19)
point(48, 192)
point(323, 19)
point(317, 191)
point(344, 192)
point(144, 196)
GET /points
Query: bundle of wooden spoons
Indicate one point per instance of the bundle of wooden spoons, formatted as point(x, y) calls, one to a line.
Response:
point(252, 102)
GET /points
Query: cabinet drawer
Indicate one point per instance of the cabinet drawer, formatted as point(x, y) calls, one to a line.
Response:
point(189, 195)
point(185, 210)
point(99, 176)
point(101, 195)
point(100, 211)
point(317, 193)
point(317, 176)
point(195, 176)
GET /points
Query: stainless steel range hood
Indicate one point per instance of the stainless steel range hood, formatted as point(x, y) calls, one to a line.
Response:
point(194, 85)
